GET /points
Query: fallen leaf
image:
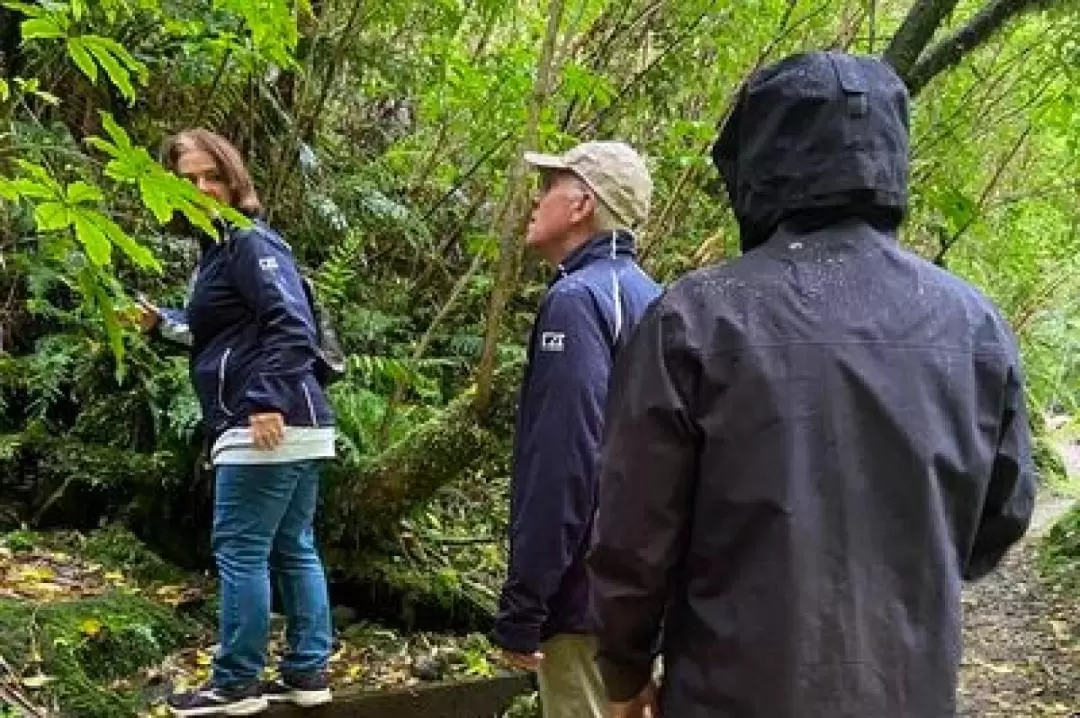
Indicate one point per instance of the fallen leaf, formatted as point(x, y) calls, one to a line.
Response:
point(37, 681)
point(37, 574)
point(90, 627)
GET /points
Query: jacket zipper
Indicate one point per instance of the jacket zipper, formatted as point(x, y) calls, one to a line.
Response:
point(221, 381)
point(310, 405)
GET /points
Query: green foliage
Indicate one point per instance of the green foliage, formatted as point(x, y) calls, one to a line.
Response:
point(86, 645)
point(1060, 550)
point(55, 22)
point(1049, 463)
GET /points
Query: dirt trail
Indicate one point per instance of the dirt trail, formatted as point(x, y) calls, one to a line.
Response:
point(1021, 637)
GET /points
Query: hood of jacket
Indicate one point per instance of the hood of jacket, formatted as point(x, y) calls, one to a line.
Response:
point(817, 137)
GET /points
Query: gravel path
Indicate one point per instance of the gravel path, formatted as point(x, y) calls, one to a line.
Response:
point(1022, 637)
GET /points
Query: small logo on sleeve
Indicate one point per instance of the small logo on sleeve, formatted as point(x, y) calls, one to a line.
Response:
point(552, 341)
point(268, 264)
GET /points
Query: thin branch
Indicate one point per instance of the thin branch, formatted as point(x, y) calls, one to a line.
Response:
point(625, 90)
point(511, 214)
point(949, 243)
point(299, 130)
point(873, 26)
point(204, 105)
point(421, 346)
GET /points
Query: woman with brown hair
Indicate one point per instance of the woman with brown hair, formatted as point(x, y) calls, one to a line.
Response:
point(252, 338)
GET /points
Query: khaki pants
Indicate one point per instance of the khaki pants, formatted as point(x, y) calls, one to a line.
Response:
point(570, 683)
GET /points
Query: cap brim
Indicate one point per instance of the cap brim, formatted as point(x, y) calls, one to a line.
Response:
point(547, 162)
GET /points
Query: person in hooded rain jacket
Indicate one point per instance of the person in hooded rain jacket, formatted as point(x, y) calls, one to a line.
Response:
point(809, 448)
point(251, 334)
point(590, 200)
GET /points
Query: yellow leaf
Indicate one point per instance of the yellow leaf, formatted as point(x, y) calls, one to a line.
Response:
point(38, 573)
point(202, 658)
point(90, 627)
point(1061, 630)
point(114, 576)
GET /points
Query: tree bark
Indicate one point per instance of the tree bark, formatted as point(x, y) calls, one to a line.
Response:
point(509, 217)
point(950, 51)
point(368, 501)
point(915, 33)
point(11, 56)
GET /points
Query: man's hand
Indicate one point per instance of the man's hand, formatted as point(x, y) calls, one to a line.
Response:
point(267, 430)
point(643, 706)
point(524, 661)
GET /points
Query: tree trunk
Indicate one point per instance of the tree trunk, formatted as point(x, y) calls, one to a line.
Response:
point(915, 33)
point(950, 51)
point(367, 502)
point(509, 217)
point(11, 56)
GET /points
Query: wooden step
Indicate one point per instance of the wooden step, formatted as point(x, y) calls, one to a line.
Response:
point(479, 698)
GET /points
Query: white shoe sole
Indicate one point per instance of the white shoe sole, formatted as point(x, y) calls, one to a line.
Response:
point(246, 707)
point(304, 699)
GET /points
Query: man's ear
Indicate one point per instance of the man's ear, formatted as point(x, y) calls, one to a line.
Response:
point(584, 207)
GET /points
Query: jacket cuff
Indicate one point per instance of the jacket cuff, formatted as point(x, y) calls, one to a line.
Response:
point(515, 640)
point(623, 682)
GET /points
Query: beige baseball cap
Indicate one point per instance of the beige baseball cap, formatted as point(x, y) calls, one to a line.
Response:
point(613, 170)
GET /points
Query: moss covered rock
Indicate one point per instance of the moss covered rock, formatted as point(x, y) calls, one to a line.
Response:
point(82, 616)
point(91, 649)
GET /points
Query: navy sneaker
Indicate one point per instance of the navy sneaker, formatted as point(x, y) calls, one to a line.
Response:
point(305, 691)
point(211, 701)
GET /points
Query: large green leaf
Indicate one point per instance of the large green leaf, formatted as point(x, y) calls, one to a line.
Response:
point(52, 216)
point(77, 49)
point(93, 238)
point(42, 28)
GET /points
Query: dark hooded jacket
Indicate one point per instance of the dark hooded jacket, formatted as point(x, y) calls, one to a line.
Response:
point(593, 303)
point(809, 448)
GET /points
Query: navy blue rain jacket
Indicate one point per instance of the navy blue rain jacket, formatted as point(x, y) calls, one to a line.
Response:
point(597, 297)
point(251, 332)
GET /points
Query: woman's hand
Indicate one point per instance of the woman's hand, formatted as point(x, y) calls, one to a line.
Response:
point(523, 661)
point(145, 315)
point(267, 430)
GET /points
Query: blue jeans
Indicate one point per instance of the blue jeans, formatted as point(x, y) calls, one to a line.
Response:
point(263, 516)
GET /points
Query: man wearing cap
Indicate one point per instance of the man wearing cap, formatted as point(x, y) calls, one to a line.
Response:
point(590, 201)
point(816, 442)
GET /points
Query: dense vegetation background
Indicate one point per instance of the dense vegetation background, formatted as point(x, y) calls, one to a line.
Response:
point(385, 139)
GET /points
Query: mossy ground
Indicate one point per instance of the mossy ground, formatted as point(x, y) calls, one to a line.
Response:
point(98, 626)
point(84, 620)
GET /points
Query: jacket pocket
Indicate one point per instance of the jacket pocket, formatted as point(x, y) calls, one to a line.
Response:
point(223, 364)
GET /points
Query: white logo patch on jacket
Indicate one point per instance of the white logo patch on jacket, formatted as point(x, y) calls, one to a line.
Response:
point(268, 264)
point(552, 341)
